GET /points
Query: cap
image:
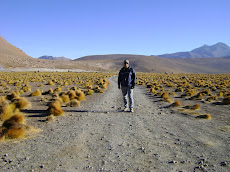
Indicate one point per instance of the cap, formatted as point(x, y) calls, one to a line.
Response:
point(126, 61)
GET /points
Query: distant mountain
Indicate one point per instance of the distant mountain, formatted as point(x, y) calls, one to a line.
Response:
point(216, 50)
point(54, 58)
point(141, 63)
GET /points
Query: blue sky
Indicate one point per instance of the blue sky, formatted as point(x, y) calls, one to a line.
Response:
point(76, 28)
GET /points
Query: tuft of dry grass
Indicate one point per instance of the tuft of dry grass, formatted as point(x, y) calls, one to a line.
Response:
point(195, 107)
point(36, 93)
point(3, 100)
point(21, 103)
point(206, 116)
point(176, 104)
point(50, 83)
point(72, 94)
point(212, 98)
point(55, 108)
point(74, 103)
point(6, 111)
point(80, 95)
point(89, 92)
point(17, 118)
point(65, 98)
point(15, 132)
point(13, 95)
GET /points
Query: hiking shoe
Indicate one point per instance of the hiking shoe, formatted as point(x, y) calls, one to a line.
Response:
point(126, 110)
point(132, 110)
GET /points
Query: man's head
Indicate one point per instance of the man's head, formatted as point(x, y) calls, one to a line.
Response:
point(126, 63)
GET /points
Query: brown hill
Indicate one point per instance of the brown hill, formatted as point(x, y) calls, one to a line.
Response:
point(157, 64)
point(11, 57)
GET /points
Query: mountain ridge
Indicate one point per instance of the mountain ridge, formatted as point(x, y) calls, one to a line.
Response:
point(54, 58)
point(217, 50)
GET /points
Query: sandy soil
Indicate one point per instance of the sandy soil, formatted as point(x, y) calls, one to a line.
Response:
point(98, 136)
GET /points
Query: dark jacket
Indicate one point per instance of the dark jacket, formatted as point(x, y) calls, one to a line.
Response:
point(127, 77)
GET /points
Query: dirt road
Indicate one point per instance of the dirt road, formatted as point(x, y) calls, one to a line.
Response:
point(99, 137)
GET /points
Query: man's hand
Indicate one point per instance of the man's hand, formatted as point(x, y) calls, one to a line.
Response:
point(119, 87)
point(132, 87)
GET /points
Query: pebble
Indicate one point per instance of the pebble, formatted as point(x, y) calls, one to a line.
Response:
point(6, 154)
point(172, 162)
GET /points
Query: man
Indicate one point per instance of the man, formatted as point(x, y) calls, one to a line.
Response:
point(127, 81)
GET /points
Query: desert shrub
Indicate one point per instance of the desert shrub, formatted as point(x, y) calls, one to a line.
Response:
point(65, 98)
point(17, 118)
point(226, 100)
point(152, 90)
point(36, 93)
point(21, 103)
point(72, 94)
point(7, 111)
point(199, 96)
point(50, 91)
point(195, 107)
point(167, 99)
point(3, 100)
point(13, 95)
point(80, 95)
point(206, 92)
point(179, 89)
point(26, 88)
point(74, 103)
point(176, 104)
point(212, 98)
point(206, 116)
point(58, 89)
point(165, 95)
point(50, 83)
point(89, 92)
point(73, 88)
point(55, 108)
point(15, 132)
point(41, 85)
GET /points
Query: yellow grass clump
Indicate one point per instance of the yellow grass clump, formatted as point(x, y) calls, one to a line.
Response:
point(176, 104)
point(65, 98)
point(72, 94)
point(55, 108)
point(3, 100)
point(13, 128)
point(89, 92)
point(6, 111)
point(21, 103)
point(17, 118)
point(74, 103)
point(50, 83)
point(58, 89)
point(167, 99)
point(14, 94)
point(212, 98)
point(80, 95)
point(206, 116)
point(195, 107)
point(36, 93)
point(15, 132)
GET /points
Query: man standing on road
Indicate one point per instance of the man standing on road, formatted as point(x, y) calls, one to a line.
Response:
point(126, 82)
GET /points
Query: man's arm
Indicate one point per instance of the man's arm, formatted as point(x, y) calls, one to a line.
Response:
point(134, 78)
point(119, 80)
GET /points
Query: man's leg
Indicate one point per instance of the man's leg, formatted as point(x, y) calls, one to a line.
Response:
point(124, 92)
point(131, 100)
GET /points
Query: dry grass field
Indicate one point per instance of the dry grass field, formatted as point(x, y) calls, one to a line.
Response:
point(23, 93)
point(54, 121)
